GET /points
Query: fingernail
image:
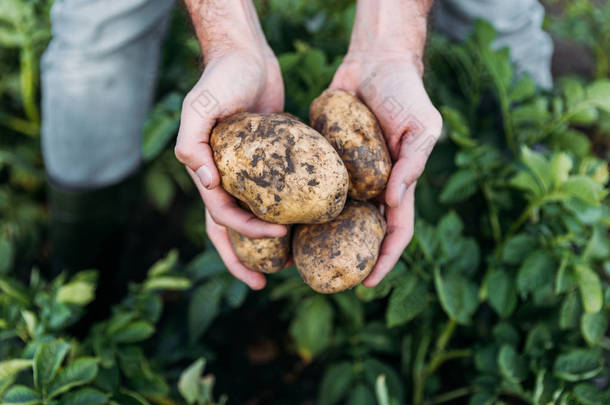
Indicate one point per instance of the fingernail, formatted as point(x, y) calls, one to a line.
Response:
point(401, 193)
point(204, 176)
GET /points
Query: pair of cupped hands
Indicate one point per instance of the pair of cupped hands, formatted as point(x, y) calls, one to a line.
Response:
point(389, 83)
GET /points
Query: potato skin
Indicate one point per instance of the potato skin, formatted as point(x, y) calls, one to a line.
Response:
point(267, 255)
point(339, 254)
point(355, 134)
point(283, 170)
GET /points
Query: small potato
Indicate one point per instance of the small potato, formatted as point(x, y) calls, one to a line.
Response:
point(267, 255)
point(283, 170)
point(339, 254)
point(355, 134)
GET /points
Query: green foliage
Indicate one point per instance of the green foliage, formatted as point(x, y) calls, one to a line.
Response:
point(502, 297)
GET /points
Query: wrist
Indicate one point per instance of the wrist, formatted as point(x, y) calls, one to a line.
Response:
point(224, 26)
point(391, 29)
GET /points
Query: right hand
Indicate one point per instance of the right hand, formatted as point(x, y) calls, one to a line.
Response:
point(238, 79)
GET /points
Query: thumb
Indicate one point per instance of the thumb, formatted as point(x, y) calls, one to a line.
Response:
point(192, 148)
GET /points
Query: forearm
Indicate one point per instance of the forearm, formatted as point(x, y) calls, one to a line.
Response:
point(391, 26)
point(222, 25)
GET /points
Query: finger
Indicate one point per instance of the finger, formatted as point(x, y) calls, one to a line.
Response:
point(400, 231)
point(220, 238)
point(408, 168)
point(224, 210)
point(345, 79)
point(289, 263)
point(198, 117)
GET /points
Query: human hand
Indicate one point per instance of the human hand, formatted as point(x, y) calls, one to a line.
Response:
point(390, 84)
point(239, 75)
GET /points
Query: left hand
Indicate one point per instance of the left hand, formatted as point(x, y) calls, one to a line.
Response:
point(390, 84)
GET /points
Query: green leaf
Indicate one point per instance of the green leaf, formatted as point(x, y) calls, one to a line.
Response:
point(458, 127)
point(526, 181)
point(585, 189)
point(458, 296)
point(15, 290)
point(78, 373)
point(486, 359)
point(335, 383)
point(426, 238)
point(593, 327)
point(460, 186)
point(21, 395)
point(9, 368)
point(204, 307)
point(536, 272)
point(546, 387)
point(570, 311)
point(161, 126)
point(164, 265)
point(560, 166)
point(311, 328)
point(189, 383)
point(590, 288)
point(579, 364)
point(6, 254)
point(133, 332)
point(572, 140)
point(483, 398)
point(85, 396)
point(503, 293)
point(130, 398)
point(565, 280)
point(523, 89)
point(449, 233)
point(518, 247)
point(236, 293)
point(76, 292)
point(539, 166)
point(47, 360)
point(406, 302)
point(167, 282)
point(512, 366)
point(539, 340)
point(598, 94)
point(361, 395)
point(589, 394)
point(160, 189)
point(350, 308)
point(205, 265)
point(598, 246)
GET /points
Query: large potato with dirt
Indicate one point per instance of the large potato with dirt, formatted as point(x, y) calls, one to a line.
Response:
point(283, 170)
point(355, 134)
point(267, 255)
point(339, 254)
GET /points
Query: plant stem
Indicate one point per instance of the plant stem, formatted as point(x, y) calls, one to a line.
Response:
point(439, 359)
point(419, 370)
point(20, 125)
point(29, 82)
point(521, 220)
point(450, 396)
point(445, 336)
point(494, 219)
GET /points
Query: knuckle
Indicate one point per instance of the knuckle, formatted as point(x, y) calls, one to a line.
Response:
point(183, 153)
point(436, 121)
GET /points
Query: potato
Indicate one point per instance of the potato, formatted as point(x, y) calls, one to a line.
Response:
point(339, 254)
point(355, 134)
point(267, 255)
point(283, 170)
